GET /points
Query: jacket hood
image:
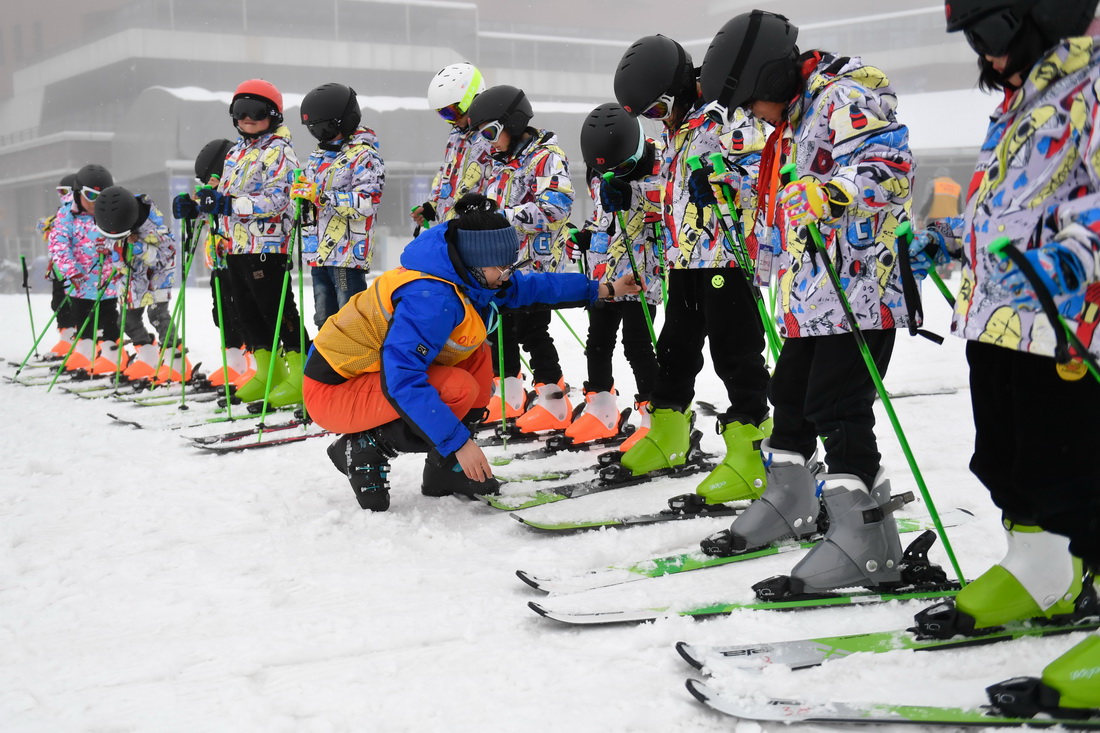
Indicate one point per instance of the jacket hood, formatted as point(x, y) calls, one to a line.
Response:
point(1071, 56)
point(432, 254)
point(281, 132)
point(822, 70)
point(363, 136)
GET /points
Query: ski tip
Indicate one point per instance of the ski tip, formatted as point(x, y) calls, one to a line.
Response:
point(687, 651)
point(522, 575)
point(698, 690)
point(538, 609)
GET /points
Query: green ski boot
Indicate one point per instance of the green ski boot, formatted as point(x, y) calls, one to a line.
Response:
point(288, 390)
point(254, 388)
point(665, 445)
point(1037, 579)
point(1069, 688)
point(740, 475)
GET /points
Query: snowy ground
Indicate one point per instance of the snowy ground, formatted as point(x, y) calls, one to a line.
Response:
point(145, 586)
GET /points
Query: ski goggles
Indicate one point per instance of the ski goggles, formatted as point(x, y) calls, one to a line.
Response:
point(115, 235)
point(491, 131)
point(451, 112)
point(992, 35)
point(90, 193)
point(253, 109)
point(64, 190)
point(324, 130)
point(661, 109)
point(626, 167)
point(719, 113)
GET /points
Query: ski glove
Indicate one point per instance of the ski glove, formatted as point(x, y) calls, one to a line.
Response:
point(738, 182)
point(427, 211)
point(212, 201)
point(927, 250)
point(807, 201)
point(577, 244)
point(700, 191)
point(615, 195)
point(184, 207)
point(1060, 271)
point(304, 190)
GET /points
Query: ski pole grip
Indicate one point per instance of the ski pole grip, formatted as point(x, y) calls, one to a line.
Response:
point(608, 176)
point(1002, 247)
point(718, 163)
point(904, 231)
point(787, 172)
point(23, 262)
point(695, 163)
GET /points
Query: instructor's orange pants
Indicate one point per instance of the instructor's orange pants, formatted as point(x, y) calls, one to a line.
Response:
point(359, 403)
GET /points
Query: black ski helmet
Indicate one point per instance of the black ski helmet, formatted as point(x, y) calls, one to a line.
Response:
point(94, 176)
point(505, 104)
point(611, 137)
point(331, 110)
point(68, 180)
point(992, 25)
point(752, 57)
point(652, 66)
point(211, 159)
point(116, 212)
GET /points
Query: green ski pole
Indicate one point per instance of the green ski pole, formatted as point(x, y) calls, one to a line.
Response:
point(905, 232)
point(30, 310)
point(876, 377)
point(621, 217)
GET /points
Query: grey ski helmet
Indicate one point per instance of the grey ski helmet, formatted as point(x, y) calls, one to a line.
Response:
point(331, 110)
point(505, 104)
point(612, 140)
point(992, 25)
point(752, 57)
point(211, 159)
point(653, 66)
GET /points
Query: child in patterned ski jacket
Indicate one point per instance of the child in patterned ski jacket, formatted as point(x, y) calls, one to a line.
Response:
point(837, 141)
point(531, 185)
point(1037, 188)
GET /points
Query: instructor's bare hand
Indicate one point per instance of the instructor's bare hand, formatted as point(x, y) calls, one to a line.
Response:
point(627, 285)
point(473, 461)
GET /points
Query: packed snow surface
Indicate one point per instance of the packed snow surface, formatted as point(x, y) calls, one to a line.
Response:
point(146, 585)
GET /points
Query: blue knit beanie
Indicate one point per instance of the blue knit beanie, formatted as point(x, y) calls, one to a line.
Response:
point(487, 247)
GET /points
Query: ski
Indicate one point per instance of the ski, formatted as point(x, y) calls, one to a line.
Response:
point(694, 559)
point(777, 710)
point(261, 441)
point(853, 598)
point(253, 432)
point(803, 653)
point(667, 515)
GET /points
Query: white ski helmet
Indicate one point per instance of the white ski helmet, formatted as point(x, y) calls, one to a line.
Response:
point(457, 85)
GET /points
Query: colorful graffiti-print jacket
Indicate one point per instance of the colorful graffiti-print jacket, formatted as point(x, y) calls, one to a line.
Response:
point(258, 173)
point(534, 192)
point(607, 257)
point(152, 261)
point(467, 168)
point(843, 131)
point(349, 184)
point(1036, 181)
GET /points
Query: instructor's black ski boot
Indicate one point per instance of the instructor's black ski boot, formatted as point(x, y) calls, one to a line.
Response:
point(445, 478)
point(364, 457)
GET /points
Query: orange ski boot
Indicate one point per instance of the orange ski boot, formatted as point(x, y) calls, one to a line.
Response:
point(515, 400)
point(640, 408)
point(599, 419)
point(550, 409)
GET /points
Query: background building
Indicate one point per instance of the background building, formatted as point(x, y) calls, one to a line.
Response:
point(141, 85)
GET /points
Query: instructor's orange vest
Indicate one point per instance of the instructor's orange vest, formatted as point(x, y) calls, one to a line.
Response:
point(351, 340)
point(945, 198)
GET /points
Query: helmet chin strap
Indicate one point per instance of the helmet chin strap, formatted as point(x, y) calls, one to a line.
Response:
point(333, 146)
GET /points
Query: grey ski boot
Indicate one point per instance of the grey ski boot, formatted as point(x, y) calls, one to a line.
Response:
point(861, 547)
point(789, 507)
